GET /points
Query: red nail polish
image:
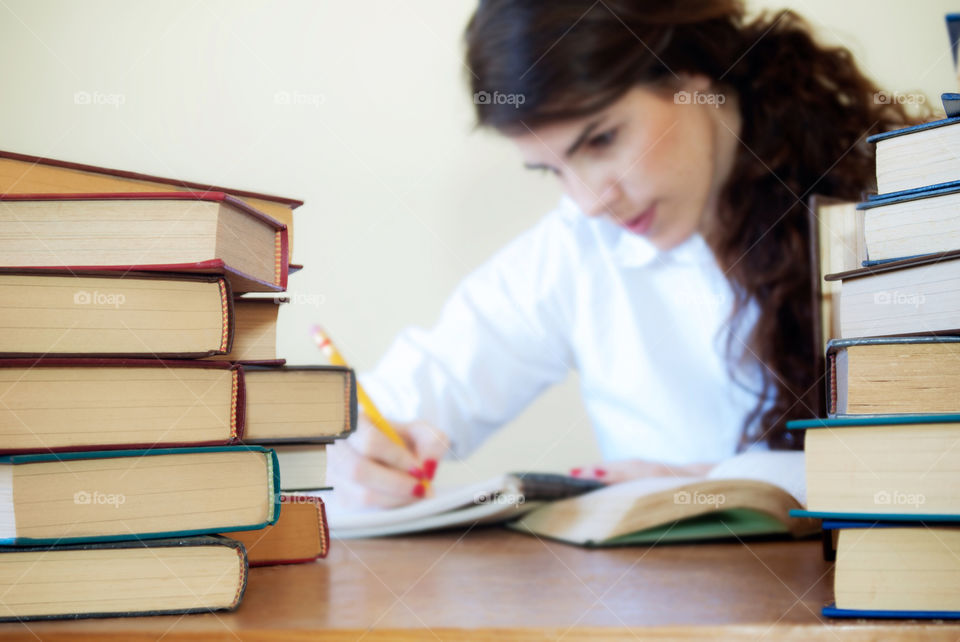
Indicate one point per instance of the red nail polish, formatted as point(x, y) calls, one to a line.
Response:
point(416, 472)
point(429, 468)
point(419, 490)
point(576, 472)
point(599, 472)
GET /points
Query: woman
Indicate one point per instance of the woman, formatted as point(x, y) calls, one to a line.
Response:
point(675, 274)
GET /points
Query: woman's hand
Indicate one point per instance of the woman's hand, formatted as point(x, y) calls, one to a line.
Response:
point(613, 472)
point(369, 470)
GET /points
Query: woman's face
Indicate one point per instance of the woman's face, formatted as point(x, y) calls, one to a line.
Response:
point(653, 162)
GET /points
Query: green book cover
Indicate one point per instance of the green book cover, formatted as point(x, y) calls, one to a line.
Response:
point(8, 519)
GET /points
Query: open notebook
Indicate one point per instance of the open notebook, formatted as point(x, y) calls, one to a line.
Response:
point(500, 499)
point(750, 494)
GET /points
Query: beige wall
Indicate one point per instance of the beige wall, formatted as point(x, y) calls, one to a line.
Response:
point(359, 108)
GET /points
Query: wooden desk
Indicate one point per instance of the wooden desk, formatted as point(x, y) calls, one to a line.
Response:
point(494, 584)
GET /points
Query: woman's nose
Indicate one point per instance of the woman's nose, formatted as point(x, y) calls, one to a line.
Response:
point(599, 200)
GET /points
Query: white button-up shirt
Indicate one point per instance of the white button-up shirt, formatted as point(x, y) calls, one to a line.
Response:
point(646, 330)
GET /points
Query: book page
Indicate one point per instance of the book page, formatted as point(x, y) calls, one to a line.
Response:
point(470, 515)
point(783, 468)
point(340, 517)
point(643, 486)
point(8, 518)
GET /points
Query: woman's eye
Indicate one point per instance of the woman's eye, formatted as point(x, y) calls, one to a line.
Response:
point(549, 170)
point(603, 140)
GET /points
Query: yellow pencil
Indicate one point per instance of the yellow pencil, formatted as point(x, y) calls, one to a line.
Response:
point(326, 345)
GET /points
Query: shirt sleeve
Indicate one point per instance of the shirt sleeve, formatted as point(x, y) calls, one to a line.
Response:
point(501, 339)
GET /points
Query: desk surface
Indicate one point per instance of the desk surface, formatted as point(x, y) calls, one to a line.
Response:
point(494, 584)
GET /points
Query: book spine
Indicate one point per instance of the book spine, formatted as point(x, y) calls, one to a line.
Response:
point(324, 528)
point(237, 405)
point(282, 257)
point(241, 552)
point(278, 258)
point(831, 384)
point(226, 317)
point(350, 399)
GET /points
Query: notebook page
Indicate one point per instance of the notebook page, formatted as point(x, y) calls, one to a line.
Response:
point(340, 517)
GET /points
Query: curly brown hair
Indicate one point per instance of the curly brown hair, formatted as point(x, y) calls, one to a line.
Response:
point(805, 108)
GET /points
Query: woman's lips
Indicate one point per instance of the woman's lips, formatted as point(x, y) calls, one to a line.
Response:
point(643, 221)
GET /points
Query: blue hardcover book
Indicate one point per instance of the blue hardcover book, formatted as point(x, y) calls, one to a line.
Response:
point(953, 32)
point(918, 157)
point(837, 524)
point(831, 610)
point(912, 223)
point(951, 103)
point(115, 495)
point(869, 263)
point(913, 129)
point(872, 420)
point(881, 467)
point(908, 195)
point(895, 570)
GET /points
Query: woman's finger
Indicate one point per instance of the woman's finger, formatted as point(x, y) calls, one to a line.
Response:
point(371, 443)
point(347, 466)
point(615, 472)
point(430, 445)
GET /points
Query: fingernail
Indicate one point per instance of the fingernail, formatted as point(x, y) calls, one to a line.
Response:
point(419, 490)
point(599, 472)
point(576, 472)
point(429, 468)
point(416, 472)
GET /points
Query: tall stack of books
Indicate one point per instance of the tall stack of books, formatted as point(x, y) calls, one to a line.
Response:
point(143, 408)
point(882, 467)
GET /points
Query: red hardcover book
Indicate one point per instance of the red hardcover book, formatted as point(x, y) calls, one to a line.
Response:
point(25, 174)
point(139, 315)
point(55, 405)
point(255, 336)
point(195, 232)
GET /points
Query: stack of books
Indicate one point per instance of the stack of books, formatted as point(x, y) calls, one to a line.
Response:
point(144, 412)
point(882, 466)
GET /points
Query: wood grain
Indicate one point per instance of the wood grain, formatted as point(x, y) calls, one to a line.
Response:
point(491, 584)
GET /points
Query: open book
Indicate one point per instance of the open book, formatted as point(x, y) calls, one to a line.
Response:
point(750, 494)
